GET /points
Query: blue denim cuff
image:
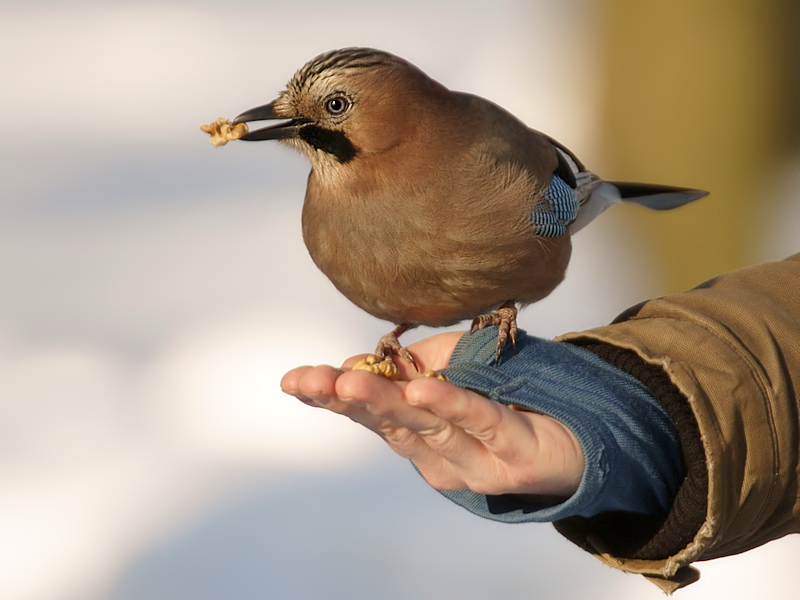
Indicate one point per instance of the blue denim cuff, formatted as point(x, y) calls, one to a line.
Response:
point(631, 449)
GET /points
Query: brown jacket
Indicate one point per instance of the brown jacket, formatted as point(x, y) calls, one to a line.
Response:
point(724, 360)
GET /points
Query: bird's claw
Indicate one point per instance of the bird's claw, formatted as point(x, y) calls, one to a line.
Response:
point(505, 318)
point(389, 345)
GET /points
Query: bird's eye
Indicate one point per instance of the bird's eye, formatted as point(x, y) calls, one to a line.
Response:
point(337, 105)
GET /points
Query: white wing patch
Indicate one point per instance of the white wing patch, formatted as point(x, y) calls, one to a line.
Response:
point(601, 196)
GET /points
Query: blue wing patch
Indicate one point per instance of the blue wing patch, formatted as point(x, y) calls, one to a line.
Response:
point(558, 209)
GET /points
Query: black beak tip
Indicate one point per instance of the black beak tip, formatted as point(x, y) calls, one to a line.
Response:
point(260, 113)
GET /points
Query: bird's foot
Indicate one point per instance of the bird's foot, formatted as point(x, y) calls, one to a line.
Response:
point(381, 363)
point(505, 318)
point(389, 345)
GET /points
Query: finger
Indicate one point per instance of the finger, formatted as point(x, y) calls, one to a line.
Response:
point(527, 452)
point(311, 383)
point(479, 465)
point(391, 417)
point(289, 382)
point(435, 351)
point(348, 364)
point(388, 401)
point(437, 471)
point(385, 399)
point(496, 426)
point(472, 412)
point(316, 386)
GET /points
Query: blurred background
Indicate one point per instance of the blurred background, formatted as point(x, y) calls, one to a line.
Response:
point(146, 451)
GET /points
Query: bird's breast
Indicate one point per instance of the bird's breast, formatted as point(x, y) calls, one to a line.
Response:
point(431, 254)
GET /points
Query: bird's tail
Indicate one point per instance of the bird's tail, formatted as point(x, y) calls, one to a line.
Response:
point(657, 197)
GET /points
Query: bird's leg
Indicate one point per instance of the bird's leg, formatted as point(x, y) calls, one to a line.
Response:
point(389, 344)
point(381, 363)
point(505, 318)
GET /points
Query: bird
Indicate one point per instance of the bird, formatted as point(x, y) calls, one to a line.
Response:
point(426, 206)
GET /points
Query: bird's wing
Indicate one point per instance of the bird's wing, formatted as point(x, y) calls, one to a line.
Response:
point(571, 196)
point(595, 195)
point(574, 173)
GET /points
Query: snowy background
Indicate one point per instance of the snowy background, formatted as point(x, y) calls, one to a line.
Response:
point(146, 451)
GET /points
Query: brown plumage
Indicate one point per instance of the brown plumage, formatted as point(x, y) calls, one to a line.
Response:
point(420, 200)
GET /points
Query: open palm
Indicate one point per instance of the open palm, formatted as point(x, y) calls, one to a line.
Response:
point(456, 438)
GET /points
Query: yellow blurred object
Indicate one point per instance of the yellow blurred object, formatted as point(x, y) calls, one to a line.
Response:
point(699, 93)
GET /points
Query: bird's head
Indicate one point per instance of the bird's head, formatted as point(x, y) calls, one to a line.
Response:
point(347, 104)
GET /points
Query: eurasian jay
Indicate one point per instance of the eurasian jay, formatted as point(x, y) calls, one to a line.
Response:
point(426, 206)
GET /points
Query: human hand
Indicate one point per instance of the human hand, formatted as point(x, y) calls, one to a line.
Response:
point(457, 438)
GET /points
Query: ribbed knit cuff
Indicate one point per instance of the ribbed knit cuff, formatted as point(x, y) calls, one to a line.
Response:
point(628, 535)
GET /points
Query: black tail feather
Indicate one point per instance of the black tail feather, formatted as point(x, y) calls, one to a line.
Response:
point(657, 197)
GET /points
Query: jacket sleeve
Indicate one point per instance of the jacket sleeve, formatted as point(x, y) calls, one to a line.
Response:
point(724, 361)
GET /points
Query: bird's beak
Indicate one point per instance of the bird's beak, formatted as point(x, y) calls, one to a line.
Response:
point(281, 131)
